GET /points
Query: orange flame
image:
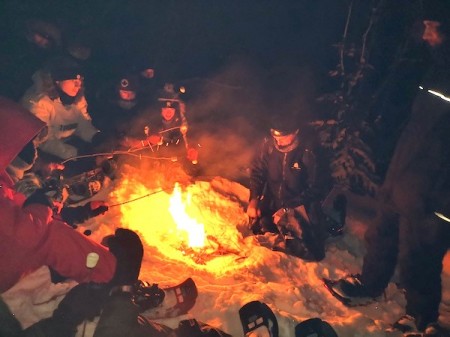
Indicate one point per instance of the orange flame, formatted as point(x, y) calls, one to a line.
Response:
point(195, 230)
point(195, 224)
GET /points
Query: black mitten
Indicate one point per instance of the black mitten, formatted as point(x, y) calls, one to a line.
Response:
point(77, 215)
point(127, 247)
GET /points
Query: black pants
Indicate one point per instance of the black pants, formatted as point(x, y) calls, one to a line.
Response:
point(419, 246)
point(424, 245)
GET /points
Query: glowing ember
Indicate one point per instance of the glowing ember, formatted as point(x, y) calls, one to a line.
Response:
point(195, 230)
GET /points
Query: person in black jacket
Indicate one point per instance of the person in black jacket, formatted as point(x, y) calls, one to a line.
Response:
point(285, 194)
point(406, 229)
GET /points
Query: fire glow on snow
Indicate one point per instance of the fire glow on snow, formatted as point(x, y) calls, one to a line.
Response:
point(183, 224)
point(231, 269)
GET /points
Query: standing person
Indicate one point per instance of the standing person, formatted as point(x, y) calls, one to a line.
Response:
point(403, 200)
point(57, 98)
point(284, 191)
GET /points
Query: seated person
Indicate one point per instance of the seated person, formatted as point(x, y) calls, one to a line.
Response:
point(285, 194)
point(57, 99)
point(170, 136)
point(33, 236)
point(173, 121)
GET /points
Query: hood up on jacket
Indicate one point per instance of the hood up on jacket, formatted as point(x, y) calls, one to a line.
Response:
point(18, 126)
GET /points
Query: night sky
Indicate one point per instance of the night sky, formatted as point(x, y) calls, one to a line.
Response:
point(193, 38)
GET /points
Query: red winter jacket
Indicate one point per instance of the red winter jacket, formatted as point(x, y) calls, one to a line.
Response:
point(29, 236)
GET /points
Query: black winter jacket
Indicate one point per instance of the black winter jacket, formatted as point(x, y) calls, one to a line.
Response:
point(291, 177)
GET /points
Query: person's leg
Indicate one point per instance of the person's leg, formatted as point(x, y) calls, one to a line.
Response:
point(382, 250)
point(120, 317)
point(314, 230)
point(422, 248)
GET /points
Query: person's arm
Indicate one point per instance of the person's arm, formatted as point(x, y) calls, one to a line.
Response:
point(258, 172)
point(79, 214)
point(25, 226)
point(45, 111)
point(258, 180)
point(313, 190)
point(86, 130)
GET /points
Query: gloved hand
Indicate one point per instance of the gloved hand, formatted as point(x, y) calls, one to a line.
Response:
point(76, 215)
point(127, 247)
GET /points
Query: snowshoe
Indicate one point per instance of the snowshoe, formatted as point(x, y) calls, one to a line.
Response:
point(314, 327)
point(166, 302)
point(147, 296)
point(258, 320)
point(337, 289)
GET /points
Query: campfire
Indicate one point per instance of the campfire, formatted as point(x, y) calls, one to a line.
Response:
point(181, 220)
point(184, 222)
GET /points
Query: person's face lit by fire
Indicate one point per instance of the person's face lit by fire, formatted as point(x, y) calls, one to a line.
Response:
point(148, 73)
point(127, 95)
point(284, 140)
point(71, 87)
point(41, 41)
point(432, 34)
point(167, 113)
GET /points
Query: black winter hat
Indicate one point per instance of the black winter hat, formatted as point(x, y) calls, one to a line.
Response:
point(128, 83)
point(284, 125)
point(65, 69)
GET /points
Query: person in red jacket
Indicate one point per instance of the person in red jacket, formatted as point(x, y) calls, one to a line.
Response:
point(31, 237)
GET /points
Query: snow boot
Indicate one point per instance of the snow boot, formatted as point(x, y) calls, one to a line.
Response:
point(258, 320)
point(350, 291)
point(314, 327)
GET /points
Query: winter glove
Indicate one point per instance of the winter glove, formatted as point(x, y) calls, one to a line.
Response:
point(127, 247)
point(77, 215)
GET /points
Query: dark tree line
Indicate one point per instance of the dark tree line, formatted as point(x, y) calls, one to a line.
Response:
point(379, 63)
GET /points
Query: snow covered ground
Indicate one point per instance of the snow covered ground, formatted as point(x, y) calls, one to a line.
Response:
point(231, 269)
